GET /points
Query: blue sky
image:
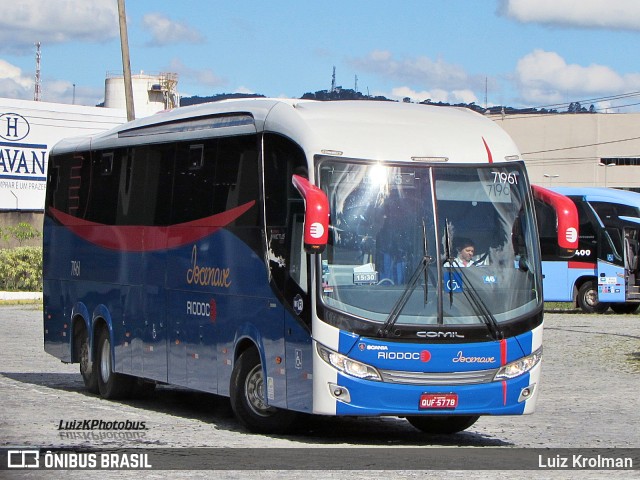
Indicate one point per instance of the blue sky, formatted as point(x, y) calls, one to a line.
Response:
point(528, 53)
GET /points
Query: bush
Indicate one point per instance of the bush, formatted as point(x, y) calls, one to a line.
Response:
point(21, 233)
point(21, 269)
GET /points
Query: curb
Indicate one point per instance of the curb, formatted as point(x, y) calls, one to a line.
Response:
point(20, 295)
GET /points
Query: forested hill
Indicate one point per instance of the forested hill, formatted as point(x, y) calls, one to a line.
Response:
point(349, 94)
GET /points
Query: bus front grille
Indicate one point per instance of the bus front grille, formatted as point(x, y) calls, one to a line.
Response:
point(438, 378)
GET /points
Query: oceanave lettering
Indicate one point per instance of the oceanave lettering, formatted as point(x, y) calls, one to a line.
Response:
point(462, 359)
point(207, 276)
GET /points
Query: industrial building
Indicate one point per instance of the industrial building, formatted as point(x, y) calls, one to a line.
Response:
point(582, 149)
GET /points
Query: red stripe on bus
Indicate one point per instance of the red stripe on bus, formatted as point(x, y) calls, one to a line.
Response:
point(503, 352)
point(488, 150)
point(143, 238)
point(581, 265)
point(504, 392)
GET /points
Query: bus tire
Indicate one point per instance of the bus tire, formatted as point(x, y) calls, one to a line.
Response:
point(112, 385)
point(88, 370)
point(248, 400)
point(442, 424)
point(588, 298)
point(625, 308)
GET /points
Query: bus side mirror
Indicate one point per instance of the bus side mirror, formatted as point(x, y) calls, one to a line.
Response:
point(566, 217)
point(316, 215)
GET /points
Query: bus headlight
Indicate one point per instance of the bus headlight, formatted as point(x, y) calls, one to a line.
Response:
point(347, 365)
point(520, 366)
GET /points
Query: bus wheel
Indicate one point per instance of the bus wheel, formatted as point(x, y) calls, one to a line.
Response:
point(588, 299)
point(111, 385)
point(87, 369)
point(625, 307)
point(445, 424)
point(248, 398)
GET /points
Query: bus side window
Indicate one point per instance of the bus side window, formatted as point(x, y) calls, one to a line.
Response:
point(193, 190)
point(144, 195)
point(547, 222)
point(236, 177)
point(611, 245)
point(103, 186)
point(62, 185)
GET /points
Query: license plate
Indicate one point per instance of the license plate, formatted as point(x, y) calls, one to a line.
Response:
point(438, 401)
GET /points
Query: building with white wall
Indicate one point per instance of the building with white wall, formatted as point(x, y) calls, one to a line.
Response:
point(28, 130)
point(584, 149)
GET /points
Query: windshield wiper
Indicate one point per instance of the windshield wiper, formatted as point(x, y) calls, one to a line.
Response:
point(406, 294)
point(473, 297)
point(447, 254)
point(424, 255)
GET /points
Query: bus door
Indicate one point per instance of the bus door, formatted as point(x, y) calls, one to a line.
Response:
point(290, 268)
point(611, 271)
point(631, 238)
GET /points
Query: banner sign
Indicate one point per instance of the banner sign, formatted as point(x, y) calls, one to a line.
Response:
point(28, 130)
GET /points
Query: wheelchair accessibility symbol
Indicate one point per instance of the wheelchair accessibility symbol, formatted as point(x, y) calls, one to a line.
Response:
point(452, 282)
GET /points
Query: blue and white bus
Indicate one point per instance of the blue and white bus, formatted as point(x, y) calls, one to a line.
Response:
point(295, 256)
point(604, 271)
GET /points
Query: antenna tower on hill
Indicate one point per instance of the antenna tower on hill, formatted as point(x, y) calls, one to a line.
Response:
point(38, 86)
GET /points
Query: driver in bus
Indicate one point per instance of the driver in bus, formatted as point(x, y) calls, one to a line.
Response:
point(466, 256)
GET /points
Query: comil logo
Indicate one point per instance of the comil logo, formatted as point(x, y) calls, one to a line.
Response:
point(571, 234)
point(13, 127)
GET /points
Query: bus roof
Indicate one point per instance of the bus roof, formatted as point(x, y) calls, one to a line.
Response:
point(601, 194)
point(356, 129)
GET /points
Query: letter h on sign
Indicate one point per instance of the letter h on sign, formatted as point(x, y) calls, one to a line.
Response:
point(12, 126)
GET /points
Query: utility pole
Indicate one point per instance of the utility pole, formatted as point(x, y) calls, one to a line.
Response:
point(126, 63)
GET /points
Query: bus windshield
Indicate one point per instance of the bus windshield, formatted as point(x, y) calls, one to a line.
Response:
point(402, 237)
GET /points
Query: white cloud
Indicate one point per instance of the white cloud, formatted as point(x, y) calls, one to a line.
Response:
point(435, 95)
point(205, 76)
point(420, 71)
point(545, 77)
point(609, 14)
point(13, 83)
point(46, 21)
point(62, 91)
point(165, 31)
point(243, 89)
point(421, 78)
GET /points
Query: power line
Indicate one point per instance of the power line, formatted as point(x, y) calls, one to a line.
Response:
point(556, 106)
point(596, 99)
point(583, 146)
